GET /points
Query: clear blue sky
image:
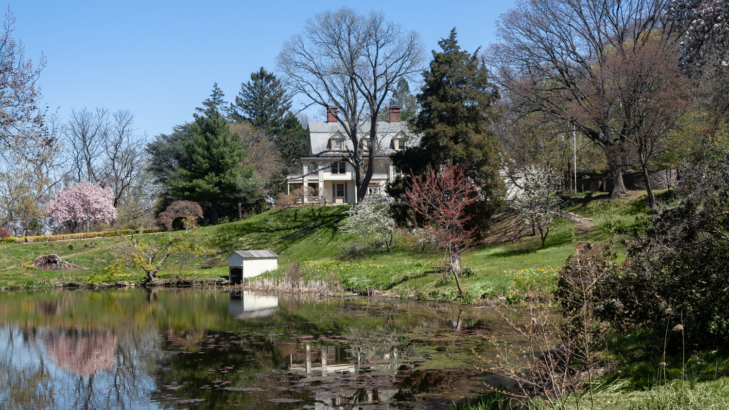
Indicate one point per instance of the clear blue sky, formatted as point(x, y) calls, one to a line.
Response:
point(159, 59)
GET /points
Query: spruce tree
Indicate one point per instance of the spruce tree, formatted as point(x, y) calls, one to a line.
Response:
point(214, 101)
point(263, 102)
point(402, 98)
point(213, 174)
point(454, 121)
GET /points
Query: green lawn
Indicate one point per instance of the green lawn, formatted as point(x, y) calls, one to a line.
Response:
point(309, 237)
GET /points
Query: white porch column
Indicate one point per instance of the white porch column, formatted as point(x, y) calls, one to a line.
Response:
point(305, 188)
point(321, 185)
point(305, 181)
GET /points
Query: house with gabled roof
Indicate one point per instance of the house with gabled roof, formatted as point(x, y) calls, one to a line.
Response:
point(325, 170)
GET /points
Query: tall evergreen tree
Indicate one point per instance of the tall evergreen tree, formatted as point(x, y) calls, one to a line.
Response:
point(291, 141)
point(263, 102)
point(214, 155)
point(166, 156)
point(403, 98)
point(456, 112)
point(214, 101)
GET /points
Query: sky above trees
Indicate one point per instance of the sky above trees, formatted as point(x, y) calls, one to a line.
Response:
point(160, 59)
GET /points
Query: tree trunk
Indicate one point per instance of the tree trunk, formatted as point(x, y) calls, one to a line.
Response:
point(364, 184)
point(618, 185)
point(455, 259)
point(649, 190)
point(151, 277)
point(543, 234)
point(214, 212)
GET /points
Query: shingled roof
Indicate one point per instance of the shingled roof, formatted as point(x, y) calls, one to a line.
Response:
point(321, 132)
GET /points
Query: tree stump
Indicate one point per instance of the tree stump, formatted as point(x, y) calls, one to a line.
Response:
point(51, 262)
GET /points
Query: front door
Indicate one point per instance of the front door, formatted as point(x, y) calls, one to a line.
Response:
point(339, 194)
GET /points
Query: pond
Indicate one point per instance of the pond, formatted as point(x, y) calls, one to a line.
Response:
point(183, 349)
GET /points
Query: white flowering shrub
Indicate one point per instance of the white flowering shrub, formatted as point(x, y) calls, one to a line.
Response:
point(538, 203)
point(371, 218)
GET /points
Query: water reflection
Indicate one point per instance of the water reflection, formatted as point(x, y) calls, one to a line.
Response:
point(247, 305)
point(132, 349)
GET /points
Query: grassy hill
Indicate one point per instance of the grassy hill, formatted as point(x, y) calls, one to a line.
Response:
point(507, 262)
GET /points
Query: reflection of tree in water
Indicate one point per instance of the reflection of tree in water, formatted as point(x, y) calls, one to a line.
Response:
point(25, 387)
point(82, 353)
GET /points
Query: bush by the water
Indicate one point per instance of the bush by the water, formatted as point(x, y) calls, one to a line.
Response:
point(680, 266)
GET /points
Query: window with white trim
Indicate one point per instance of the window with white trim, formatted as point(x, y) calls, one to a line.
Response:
point(339, 167)
point(399, 144)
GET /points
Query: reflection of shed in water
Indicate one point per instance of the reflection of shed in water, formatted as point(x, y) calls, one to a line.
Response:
point(246, 305)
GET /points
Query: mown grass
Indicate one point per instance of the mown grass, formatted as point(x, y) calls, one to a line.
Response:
point(310, 237)
point(712, 395)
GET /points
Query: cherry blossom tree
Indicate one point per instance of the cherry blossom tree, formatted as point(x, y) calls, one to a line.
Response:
point(440, 198)
point(371, 217)
point(537, 202)
point(82, 203)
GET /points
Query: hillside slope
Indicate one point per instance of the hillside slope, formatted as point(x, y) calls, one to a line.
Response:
point(508, 261)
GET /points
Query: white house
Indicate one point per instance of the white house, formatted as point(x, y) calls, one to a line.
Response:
point(247, 264)
point(330, 176)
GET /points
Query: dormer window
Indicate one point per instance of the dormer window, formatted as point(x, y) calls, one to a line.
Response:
point(336, 144)
point(399, 143)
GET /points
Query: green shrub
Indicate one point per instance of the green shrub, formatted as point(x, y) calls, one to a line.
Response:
point(9, 240)
point(467, 273)
point(444, 279)
point(105, 275)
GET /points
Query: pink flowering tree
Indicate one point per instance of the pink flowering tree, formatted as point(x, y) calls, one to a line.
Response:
point(82, 203)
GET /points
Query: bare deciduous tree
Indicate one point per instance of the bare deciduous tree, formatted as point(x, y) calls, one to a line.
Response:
point(651, 94)
point(26, 184)
point(551, 60)
point(22, 122)
point(351, 62)
point(105, 148)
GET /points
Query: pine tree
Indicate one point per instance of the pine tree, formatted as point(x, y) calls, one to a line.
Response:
point(213, 174)
point(456, 112)
point(402, 98)
point(214, 101)
point(263, 102)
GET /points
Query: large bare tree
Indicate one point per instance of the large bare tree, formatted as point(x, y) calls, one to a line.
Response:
point(105, 148)
point(650, 94)
point(22, 120)
point(352, 62)
point(551, 62)
point(27, 181)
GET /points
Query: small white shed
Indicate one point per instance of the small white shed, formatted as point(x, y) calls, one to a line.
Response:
point(247, 264)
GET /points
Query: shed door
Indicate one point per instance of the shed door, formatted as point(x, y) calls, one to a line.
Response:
point(236, 276)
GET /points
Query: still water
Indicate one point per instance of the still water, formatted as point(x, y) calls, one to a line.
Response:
point(184, 349)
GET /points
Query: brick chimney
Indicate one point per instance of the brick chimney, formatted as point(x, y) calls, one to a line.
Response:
point(394, 113)
point(332, 114)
